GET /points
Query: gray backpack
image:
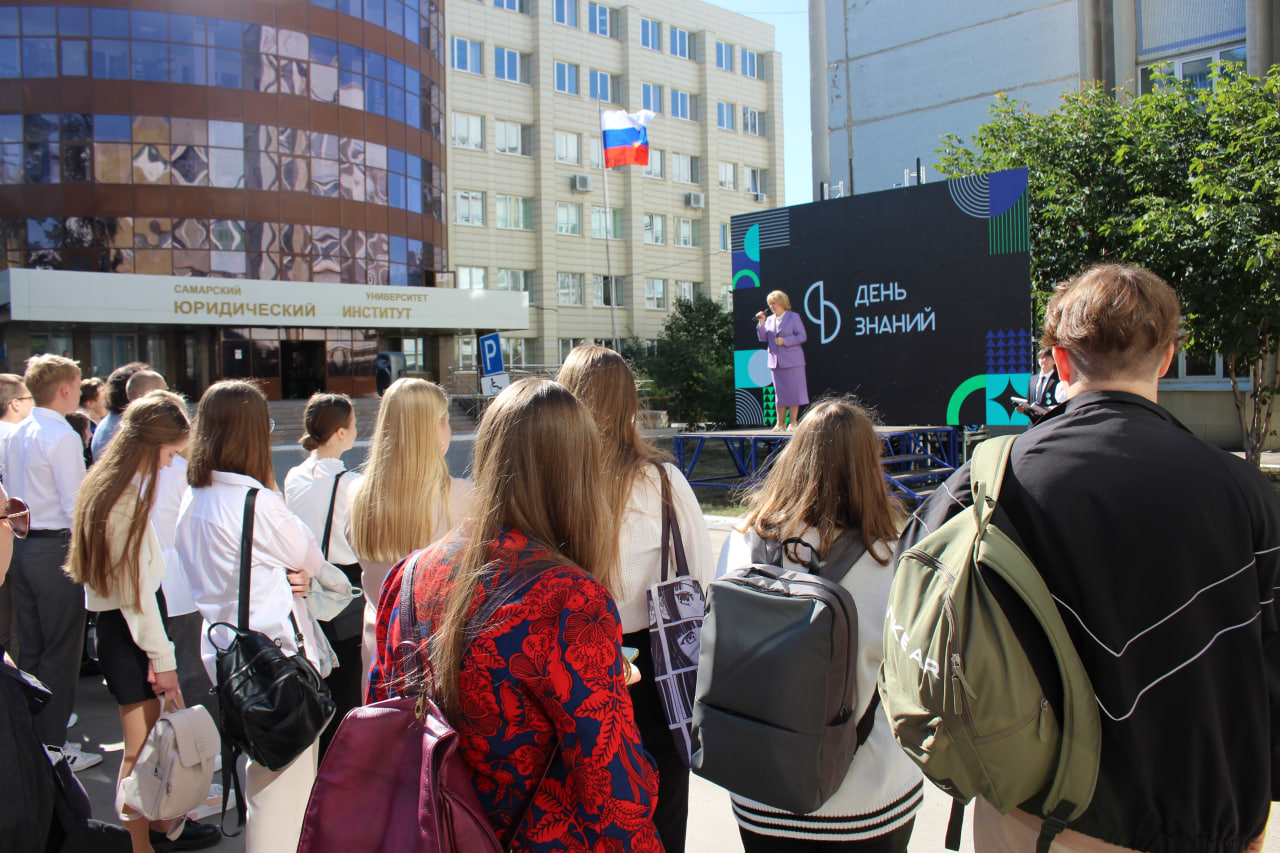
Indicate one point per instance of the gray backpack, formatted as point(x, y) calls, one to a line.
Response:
point(960, 689)
point(775, 697)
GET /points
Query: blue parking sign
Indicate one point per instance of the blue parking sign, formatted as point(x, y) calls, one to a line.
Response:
point(490, 354)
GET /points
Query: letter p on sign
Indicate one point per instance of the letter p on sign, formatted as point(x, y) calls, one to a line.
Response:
point(490, 355)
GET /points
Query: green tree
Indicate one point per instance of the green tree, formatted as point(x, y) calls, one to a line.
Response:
point(693, 363)
point(1183, 181)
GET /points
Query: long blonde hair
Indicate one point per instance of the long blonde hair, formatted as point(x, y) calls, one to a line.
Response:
point(394, 506)
point(601, 379)
point(537, 471)
point(151, 422)
point(829, 478)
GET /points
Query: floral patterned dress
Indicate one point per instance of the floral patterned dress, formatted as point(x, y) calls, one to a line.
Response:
point(542, 682)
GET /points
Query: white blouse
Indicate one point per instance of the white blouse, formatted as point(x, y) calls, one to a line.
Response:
point(307, 488)
point(640, 542)
point(208, 543)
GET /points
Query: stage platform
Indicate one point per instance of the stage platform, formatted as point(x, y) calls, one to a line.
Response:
point(915, 458)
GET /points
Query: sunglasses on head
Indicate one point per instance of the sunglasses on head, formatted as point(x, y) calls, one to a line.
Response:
point(19, 517)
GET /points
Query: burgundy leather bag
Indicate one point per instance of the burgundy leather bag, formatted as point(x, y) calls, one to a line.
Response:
point(393, 780)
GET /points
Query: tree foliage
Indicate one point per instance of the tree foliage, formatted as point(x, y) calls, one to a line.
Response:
point(1183, 181)
point(692, 366)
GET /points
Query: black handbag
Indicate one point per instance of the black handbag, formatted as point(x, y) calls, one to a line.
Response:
point(273, 704)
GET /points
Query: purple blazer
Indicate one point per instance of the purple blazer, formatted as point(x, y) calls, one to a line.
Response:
point(791, 329)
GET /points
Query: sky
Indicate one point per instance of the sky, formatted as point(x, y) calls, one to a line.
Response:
point(790, 20)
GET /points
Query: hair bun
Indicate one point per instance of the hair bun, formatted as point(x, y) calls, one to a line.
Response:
point(308, 441)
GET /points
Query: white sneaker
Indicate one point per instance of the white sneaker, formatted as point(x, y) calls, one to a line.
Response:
point(78, 758)
point(73, 719)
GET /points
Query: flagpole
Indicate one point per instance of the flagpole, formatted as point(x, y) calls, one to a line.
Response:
point(608, 226)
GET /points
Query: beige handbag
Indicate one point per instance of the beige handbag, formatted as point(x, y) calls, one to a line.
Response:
point(175, 766)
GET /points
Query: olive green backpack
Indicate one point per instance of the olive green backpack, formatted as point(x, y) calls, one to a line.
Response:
point(957, 684)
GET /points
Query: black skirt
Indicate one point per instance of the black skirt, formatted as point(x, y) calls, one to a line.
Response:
point(123, 664)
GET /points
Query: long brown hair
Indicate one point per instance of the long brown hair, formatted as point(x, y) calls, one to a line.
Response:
point(601, 379)
point(394, 506)
point(232, 433)
point(325, 414)
point(829, 478)
point(152, 422)
point(537, 471)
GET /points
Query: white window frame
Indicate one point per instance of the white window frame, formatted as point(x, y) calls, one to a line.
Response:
point(469, 278)
point(570, 76)
point(513, 280)
point(504, 58)
point(684, 169)
point(567, 345)
point(472, 55)
point(653, 169)
point(565, 13)
point(1176, 65)
point(512, 5)
point(598, 291)
point(682, 105)
point(688, 233)
point(468, 208)
point(727, 176)
point(726, 240)
point(600, 20)
point(568, 148)
point(684, 290)
point(724, 56)
point(603, 80)
point(569, 289)
point(750, 64)
point(655, 227)
point(724, 115)
point(568, 219)
point(756, 180)
point(514, 213)
point(472, 138)
point(606, 227)
point(651, 97)
point(504, 132)
point(650, 34)
point(655, 297)
point(513, 351)
point(681, 42)
point(752, 122)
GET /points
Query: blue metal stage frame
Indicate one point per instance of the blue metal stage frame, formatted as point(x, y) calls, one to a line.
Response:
point(915, 458)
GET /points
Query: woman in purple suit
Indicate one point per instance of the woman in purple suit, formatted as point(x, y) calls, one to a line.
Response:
point(784, 332)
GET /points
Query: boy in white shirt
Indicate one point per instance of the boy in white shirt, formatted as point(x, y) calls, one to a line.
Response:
point(15, 404)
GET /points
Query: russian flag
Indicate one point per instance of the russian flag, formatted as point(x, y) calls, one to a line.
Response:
point(626, 143)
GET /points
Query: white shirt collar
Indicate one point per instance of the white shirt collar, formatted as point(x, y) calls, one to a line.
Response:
point(227, 478)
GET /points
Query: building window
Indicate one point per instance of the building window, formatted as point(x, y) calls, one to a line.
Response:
point(604, 87)
point(756, 181)
point(466, 352)
point(725, 238)
point(568, 148)
point(466, 56)
point(655, 293)
point(650, 34)
point(515, 213)
point(516, 280)
point(654, 226)
point(567, 345)
point(749, 59)
point(569, 218)
point(1194, 70)
point(569, 290)
point(566, 13)
point(684, 168)
point(512, 351)
point(566, 78)
point(509, 5)
point(681, 42)
point(468, 131)
point(597, 154)
point(724, 115)
point(510, 65)
point(685, 290)
point(470, 278)
point(653, 169)
point(684, 105)
point(606, 224)
point(513, 138)
point(690, 235)
point(724, 56)
point(607, 290)
point(728, 176)
point(468, 207)
point(752, 122)
point(600, 19)
point(651, 97)
point(726, 296)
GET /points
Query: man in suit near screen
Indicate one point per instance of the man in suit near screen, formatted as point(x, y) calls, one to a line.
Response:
point(1042, 390)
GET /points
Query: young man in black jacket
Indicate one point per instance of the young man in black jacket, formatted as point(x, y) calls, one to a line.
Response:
point(1163, 554)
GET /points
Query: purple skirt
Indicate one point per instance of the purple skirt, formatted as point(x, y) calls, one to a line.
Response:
point(790, 387)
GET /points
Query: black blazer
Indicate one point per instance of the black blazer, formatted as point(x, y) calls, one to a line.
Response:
point(1047, 395)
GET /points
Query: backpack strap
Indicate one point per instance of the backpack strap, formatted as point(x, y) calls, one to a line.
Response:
point(246, 559)
point(230, 752)
point(328, 521)
point(1076, 775)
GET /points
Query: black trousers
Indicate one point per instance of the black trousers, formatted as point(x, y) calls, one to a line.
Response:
point(891, 842)
point(672, 814)
point(345, 635)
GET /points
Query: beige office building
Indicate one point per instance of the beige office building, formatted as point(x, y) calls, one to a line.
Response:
point(529, 208)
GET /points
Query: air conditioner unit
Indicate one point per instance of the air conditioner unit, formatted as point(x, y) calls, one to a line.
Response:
point(696, 200)
point(580, 183)
point(761, 197)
